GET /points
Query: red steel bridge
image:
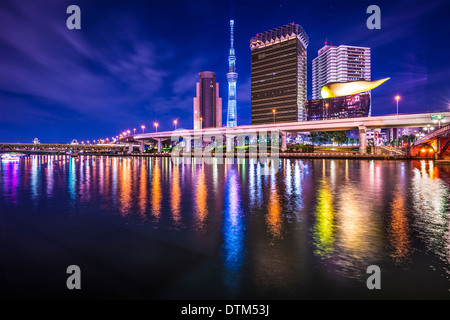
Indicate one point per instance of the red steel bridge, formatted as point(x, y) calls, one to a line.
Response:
point(433, 145)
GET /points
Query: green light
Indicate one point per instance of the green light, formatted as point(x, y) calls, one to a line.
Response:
point(437, 117)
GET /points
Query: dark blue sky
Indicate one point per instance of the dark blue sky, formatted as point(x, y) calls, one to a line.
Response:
point(136, 62)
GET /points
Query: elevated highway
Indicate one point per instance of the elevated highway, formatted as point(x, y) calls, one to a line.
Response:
point(30, 148)
point(361, 124)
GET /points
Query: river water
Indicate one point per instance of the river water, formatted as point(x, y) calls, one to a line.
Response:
point(151, 228)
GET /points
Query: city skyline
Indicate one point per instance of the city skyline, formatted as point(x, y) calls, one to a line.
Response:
point(59, 84)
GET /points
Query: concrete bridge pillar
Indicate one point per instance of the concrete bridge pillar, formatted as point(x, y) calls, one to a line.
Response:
point(159, 145)
point(130, 148)
point(362, 140)
point(230, 143)
point(283, 135)
point(142, 146)
point(187, 144)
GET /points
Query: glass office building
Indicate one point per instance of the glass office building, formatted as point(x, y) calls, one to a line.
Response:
point(353, 106)
point(278, 75)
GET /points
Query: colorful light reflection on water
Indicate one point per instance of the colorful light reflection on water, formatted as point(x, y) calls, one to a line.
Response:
point(307, 231)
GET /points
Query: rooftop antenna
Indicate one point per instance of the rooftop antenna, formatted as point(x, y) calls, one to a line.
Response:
point(232, 36)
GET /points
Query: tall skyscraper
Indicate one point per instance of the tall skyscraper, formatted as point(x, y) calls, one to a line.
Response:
point(278, 75)
point(231, 78)
point(207, 104)
point(339, 64)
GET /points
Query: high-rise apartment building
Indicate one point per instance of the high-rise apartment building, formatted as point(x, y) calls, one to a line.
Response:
point(339, 64)
point(207, 104)
point(232, 78)
point(278, 75)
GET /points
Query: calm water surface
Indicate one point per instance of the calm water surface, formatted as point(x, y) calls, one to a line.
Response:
point(153, 229)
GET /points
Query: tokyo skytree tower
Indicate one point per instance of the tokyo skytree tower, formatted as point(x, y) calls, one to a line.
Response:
point(231, 78)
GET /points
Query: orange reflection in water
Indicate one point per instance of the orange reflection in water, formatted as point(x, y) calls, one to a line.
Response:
point(358, 230)
point(398, 230)
point(273, 216)
point(143, 188)
point(175, 197)
point(125, 200)
point(430, 210)
point(156, 189)
point(201, 207)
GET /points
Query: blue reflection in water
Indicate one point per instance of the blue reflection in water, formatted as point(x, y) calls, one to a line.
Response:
point(72, 182)
point(35, 181)
point(233, 233)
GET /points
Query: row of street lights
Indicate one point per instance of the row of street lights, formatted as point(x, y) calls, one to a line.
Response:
point(143, 127)
point(274, 111)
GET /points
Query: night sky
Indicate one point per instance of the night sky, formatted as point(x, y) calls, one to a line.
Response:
point(136, 62)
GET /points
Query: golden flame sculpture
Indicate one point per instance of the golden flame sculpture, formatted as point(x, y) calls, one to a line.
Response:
point(339, 89)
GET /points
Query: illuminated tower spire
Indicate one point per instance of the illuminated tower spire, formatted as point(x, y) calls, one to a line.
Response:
point(231, 78)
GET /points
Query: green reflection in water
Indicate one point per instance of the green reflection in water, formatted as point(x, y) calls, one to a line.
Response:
point(323, 232)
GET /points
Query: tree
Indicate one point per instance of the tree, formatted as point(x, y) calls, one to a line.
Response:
point(339, 136)
point(323, 138)
point(313, 137)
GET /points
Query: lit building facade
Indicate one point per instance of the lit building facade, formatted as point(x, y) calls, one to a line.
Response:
point(396, 133)
point(278, 75)
point(232, 78)
point(207, 104)
point(339, 64)
point(354, 106)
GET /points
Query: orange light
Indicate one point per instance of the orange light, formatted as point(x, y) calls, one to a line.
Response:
point(423, 150)
point(142, 127)
point(273, 110)
point(397, 98)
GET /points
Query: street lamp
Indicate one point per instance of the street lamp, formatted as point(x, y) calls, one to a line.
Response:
point(175, 123)
point(326, 108)
point(143, 128)
point(134, 131)
point(397, 98)
point(274, 115)
point(156, 126)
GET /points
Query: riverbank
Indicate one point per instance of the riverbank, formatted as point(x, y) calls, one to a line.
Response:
point(254, 156)
point(283, 155)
